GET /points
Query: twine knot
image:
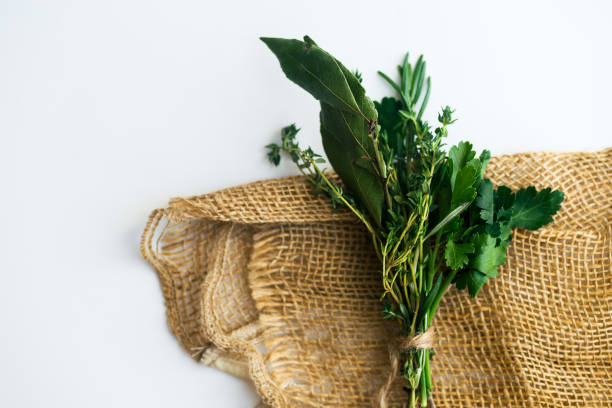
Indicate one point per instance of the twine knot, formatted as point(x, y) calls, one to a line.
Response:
point(421, 341)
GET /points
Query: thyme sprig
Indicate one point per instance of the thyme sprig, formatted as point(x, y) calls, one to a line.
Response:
point(433, 218)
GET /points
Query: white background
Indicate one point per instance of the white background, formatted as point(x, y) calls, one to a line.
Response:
point(109, 108)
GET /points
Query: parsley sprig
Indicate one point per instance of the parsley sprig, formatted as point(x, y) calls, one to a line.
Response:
point(433, 218)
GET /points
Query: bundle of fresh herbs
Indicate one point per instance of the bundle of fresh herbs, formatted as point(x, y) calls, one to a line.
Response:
point(433, 218)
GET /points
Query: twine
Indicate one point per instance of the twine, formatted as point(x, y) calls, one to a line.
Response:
point(421, 341)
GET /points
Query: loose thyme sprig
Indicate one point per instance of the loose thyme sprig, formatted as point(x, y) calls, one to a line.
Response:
point(306, 162)
point(433, 219)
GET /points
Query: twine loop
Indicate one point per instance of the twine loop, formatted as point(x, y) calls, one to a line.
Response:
point(421, 341)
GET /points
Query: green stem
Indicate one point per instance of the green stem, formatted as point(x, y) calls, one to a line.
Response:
point(432, 262)
point(403, 233)
point(443, 287)
point(418, 294)
point(332, 187)
point(346, 203)
point(425, 375)
point(428, 370)
point(424, 386)
point(382, 170)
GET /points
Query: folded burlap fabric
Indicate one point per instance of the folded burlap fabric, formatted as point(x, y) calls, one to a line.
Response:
point(269, 283)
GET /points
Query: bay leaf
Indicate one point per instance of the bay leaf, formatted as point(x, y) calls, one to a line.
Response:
point(340, 130)
point(315, 71)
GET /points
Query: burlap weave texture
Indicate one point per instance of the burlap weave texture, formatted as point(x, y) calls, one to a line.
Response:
point(268, 282)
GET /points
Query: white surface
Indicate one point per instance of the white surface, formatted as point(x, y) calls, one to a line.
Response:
point(109, 108)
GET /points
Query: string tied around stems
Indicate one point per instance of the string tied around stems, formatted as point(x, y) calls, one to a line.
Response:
point(421, 341)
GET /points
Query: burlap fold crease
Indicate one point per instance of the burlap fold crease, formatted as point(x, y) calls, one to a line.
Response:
point(269, 283)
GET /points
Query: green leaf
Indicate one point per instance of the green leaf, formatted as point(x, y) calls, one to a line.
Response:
point(500, 228)
point(390, 81)
point(446, 117)
point(345, 139)
point(464, 190)
point(388, 311)
point(487, 255)
point(364, 163)
point(404, 311)
point(532, 209)
point(493, 229)
point(366, 184)
point(274, 153)
point(505, 232)
point(455, 253)
point(472, 279)
point(431, 296)
point(416, 77)
point(346, 115)
point(444, 189)
point(419, 83)
point(449, 217)
point(504, 198)
point(317, 72)
point(390, 122)
point(388, 117)
point(406, 73)
point(460, 155)
point(485, 201)
point(503, 214)
point(425, 99)
point(485, 156)
point(365, 104)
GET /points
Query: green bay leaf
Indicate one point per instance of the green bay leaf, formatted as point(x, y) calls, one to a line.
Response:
point(346, 142)
point(317, 72)
point(347, 115)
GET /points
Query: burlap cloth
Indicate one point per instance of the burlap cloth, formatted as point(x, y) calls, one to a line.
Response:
point(267, 282)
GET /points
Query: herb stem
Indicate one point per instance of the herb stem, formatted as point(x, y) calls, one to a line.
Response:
point(340, 197)
point(424, 382)
point(432, 262)
point(403, 233)
point(443, 287)
point(382, 169)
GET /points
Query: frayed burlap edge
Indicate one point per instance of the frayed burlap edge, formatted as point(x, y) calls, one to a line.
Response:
point(234, 353)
